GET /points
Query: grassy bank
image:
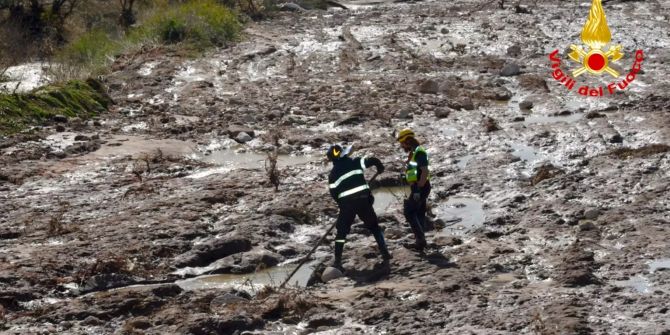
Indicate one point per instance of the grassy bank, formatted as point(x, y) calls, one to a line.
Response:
point(74, 98)
point(197, 25)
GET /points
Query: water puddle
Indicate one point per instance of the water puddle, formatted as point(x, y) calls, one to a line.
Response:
point(639, 283)
point(663, 263)
point(461, 214)
point(386, 197)
point(526, 153)
point(136, 146)
point(252, 160)
point(545, 119)
point(251, 282)
point(228, 159)
point(463, 161)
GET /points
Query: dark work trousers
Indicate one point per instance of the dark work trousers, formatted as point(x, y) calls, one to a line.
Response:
point(349, 209)
point(415, 212)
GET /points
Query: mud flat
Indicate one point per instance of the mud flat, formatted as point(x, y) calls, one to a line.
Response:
point(158, 216)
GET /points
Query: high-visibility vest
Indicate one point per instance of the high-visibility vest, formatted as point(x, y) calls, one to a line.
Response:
point(412, 171)
point(351, 182)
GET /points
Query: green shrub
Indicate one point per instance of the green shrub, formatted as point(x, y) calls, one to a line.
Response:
point(202, 23)
point(92, 51)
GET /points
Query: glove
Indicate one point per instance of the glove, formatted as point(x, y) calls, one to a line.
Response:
point(416, 196)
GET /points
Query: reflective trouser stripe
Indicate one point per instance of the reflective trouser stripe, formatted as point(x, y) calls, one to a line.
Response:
point(353, 190)
point(339, 241)
point(345, 176)
point(363, 163)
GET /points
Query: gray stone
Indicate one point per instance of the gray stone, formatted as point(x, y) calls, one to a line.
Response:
point(60, 118)
point(442, 113)
point(243, 137)
point(140, 323)
point(586, 226)
point(510, 70)
point(331, 273)
point(226, 301)
point(405, 113)
point(526, 105)
point(235, 130)
point(429, 87)
point(514, 51)
point(92, 321)
point(616, 138)
point(592, 214)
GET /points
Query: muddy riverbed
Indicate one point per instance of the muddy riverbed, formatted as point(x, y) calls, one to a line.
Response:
point(158, 217)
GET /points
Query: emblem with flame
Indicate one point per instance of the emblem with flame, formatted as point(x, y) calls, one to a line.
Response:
point(596, 35)
point(595, 59)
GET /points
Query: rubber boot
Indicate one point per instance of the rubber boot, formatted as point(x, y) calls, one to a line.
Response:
point(381, 243)
point(339, 248)
point(418, 235)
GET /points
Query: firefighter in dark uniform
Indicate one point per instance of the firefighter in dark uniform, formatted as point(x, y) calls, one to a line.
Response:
point(351, 192)
point(417, 176)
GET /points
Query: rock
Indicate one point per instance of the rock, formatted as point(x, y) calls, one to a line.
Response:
point(405, 113)
point(579, 278)
point(502, 94)
point(235, 130)
point(616, 138)
point(587, 226)
point(510, 70)
point(526, 105)
point(592, 214)
point(82, 148)
point(519, 9)
point(82, 138)
point(594, 115)
point(323, 320)
point(429, 86)
point(462, 103)
point(60, 128)
point(331, 273)
point(139, 323)
point(442, 113)
point(290, 7)
point(393, 233)
point(7, 234)
point(210, 251)
point(444, 31)
point(92, 321)
point(490, 125)
point(447, 241)
point(514, 51)
point(106, 281)
point(60, 118)
point(243, 137)
point(168, 290)
point(221, 303)
point(216, 325)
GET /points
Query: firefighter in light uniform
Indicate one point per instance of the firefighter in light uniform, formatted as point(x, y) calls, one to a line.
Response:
point(351, 192)
point(418, 176)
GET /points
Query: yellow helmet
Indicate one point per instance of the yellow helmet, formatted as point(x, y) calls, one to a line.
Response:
point(405, 134)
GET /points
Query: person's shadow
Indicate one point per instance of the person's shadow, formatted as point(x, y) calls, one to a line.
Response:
point(438, 259)
point(379, 271)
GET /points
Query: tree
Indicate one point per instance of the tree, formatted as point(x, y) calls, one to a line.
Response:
point(127, 15)
point(39, 18)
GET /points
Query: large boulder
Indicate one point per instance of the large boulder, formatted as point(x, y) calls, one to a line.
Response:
point(210, 251)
